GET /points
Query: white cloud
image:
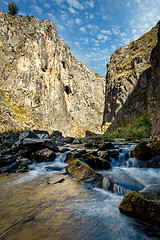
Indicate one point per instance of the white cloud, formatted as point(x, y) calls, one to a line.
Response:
point(60, 27)
point(38, 10)
point(102, 37)
point(72, 10)
point(46, 5)
point(116, 30)
point(89, 4)
point(75, 4)
point(91, 16)
point(106, 32)
point(52, 17)
point(5, 2)
point(82, 29)
point(78, 20)
point(70, 23)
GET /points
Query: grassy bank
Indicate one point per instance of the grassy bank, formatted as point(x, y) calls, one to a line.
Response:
point(134, 129)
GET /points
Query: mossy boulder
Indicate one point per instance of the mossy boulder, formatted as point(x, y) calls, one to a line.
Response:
point(137, 205)
point(96, 162)
point(104, 155)
point(155, 146)
point(143, 152)
point(82, 172)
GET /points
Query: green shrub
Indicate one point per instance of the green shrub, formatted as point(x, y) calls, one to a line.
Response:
point(13, 9)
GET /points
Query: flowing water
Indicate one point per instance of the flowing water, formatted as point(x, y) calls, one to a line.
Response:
point(47, 204)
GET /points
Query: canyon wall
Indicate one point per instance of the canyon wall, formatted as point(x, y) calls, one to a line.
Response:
point(130, 92)
point(41, 84)
point(154, 91)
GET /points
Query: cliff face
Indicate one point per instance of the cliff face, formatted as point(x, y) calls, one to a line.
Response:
point(128, 80)
point(154, 90)
point(41, 84)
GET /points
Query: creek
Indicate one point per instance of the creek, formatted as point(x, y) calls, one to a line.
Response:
point(46, 203)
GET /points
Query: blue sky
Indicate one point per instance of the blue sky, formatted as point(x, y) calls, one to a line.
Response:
point(94, 29)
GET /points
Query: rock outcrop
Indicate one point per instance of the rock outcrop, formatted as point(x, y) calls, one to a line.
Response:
point(130, 92)
point(41, 84)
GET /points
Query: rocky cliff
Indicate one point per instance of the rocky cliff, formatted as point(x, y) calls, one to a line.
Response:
point(128, 82)
point(154, 91)
point(41, 84)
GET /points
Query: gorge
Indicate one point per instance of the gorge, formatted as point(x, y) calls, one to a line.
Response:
point(42, 86)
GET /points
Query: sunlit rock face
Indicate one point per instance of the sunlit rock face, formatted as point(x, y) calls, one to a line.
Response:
point(41, 84)
point(128, 80)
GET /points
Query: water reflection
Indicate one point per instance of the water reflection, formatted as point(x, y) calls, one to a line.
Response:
point(62, 210)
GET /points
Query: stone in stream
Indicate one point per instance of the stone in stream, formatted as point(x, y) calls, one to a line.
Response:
point(82, 172)
point(139, 206)
point(105, 146)
point(96, 162)
point(27, 134)
point(36, 144)
point(44, 155)
point(104, 155)
point(143, 152)
point(7, 160)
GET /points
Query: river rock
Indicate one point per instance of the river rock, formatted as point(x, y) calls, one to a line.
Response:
point(8, 139)
point(56, 134)
point(68, 139)
point(142, 152)
point(7, 160)
point(44, 155)
point(12, 168)
point(69, 156)
point(105, 146)
point(155, 146)
point(88, 145)
point(104, 155)
point(40, 144)
point(137, 205)
point(23, 167)
point(27, 134)
point(96, 162)
point(82, 172)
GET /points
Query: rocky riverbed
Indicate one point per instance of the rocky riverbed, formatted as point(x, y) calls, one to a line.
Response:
point(66, 188)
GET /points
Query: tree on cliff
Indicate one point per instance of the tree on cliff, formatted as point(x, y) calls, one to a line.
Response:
point(13, 9)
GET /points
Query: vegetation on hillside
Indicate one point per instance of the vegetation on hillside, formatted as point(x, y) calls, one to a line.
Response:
point(134, 129)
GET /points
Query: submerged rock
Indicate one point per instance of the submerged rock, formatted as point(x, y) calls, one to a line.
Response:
point(137, 205)
point(120, 182)
point(82, 172)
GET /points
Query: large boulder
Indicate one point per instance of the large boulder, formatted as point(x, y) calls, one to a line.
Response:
point(44, 155)
point(106, 146)
point(137, 205)
point(82, 172)
point(27, 134)
point(37, 144)
point(143, 152)
point(8, 139)
point(96, 162)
